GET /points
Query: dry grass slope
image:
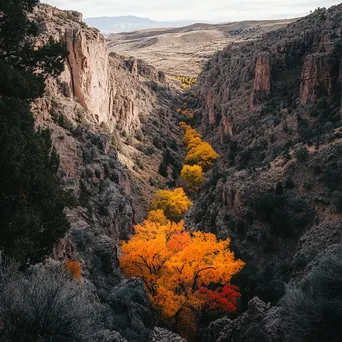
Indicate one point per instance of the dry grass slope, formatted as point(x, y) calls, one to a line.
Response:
point(182, 51)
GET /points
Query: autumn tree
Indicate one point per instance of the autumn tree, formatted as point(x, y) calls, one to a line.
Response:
point(203, 154)
point(175, 203)
point(193, 175)
point(176, 266)
point(145, 253)
point(190, 133)
point(223, 299)
point(198, 151)
point(157, 216)
point(74, 268)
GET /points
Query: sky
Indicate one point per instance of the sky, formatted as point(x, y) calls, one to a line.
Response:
point(209, 10)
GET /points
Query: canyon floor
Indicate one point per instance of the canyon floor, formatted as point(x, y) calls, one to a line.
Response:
point(183, 51)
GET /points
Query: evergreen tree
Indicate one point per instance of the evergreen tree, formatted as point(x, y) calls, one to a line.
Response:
point(163, 169)
point(32, 201)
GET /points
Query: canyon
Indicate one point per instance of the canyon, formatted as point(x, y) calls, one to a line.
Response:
point(268, 98)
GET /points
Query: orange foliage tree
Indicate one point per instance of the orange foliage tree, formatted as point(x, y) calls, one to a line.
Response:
point(193, 175)
point(174, 203)
point(176, 266)
point(74, 268)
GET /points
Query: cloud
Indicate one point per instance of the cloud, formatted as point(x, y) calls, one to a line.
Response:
point(223, 10)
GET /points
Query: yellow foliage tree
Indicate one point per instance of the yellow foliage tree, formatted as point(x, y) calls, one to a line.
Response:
point(157, 216)
point(198, 151)
point(203, 154)
point(175, 265)
point(174, 203)
point(190, 133)
point(193, 142)
point(193, 175)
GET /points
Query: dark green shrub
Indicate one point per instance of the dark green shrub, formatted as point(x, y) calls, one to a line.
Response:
point(302, 154)
point(32, 201)
point(289, 183)
point(157, 143)
point(139, 135)
point(279, 189)
point(163, 169)
point(273, 138)
point(116, 141)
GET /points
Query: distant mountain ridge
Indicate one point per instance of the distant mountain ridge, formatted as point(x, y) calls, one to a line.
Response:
point(132, 23)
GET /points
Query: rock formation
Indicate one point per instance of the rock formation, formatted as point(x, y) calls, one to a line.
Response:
point(259, 323)
point(104, 113)
point(91, 76)
point(275, 190)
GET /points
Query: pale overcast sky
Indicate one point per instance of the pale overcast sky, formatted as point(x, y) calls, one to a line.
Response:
point(218, 10)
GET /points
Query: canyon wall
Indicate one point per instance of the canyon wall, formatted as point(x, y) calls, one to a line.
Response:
point(272, 109)
point(91, 76)
point(111, 122)
point(117, 98)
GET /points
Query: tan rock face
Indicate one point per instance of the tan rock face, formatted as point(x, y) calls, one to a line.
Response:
point(88, 71)
point(91, 76)
point(262, 79)
point(226, 128)
point(317, 74)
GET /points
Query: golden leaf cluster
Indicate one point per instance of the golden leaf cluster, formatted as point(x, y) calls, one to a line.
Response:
point(174, 264)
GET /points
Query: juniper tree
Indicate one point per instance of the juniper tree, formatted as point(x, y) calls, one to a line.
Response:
point(32, 201)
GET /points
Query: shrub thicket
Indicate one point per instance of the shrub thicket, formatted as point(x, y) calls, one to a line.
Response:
point(312, 309)
point(45, 304)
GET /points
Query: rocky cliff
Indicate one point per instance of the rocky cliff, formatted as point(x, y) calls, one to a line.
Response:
point(272, 110)
point(91, 76)
point(111, 123)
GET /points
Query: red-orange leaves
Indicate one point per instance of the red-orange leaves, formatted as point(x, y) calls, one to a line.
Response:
point(179, 241)
point(74, 267)
point(175, 264)
point(222, 300)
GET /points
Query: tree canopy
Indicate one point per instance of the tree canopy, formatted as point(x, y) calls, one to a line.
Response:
point(178, 267)
point(175, 203)
point(193, 175)
point(198, 151)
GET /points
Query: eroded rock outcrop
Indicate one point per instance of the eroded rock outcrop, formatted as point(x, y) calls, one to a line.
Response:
point(319, 75)
point(163, 335)
point(91, 76)
point(262, 77)
point(260, 323)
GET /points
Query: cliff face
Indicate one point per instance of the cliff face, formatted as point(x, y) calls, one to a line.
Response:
point(92, 77)
point(111, 121)
point(272, 110)
point(319, 73)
